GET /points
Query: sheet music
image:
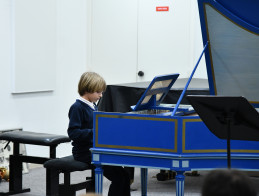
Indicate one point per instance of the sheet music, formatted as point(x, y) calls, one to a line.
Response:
point(182, 106)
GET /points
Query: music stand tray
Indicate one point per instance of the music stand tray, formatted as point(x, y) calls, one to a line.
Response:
point(227, 117)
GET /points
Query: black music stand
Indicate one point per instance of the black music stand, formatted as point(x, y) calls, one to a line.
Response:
point(227, 117)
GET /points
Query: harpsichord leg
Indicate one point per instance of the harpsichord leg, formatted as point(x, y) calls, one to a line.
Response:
point(144, 172)
point(179, 183)
point(99, 179)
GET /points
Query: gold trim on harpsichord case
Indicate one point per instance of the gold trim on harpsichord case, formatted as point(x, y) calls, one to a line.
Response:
point(207, 150)
point(136, 147)
point(226, 18)
point(208, 36)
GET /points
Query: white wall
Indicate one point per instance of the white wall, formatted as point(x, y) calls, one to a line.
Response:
point(45, 111)
point(114, 39)
point(196, 45)
point(129, 36)
point(33, 48)
point(8, 112)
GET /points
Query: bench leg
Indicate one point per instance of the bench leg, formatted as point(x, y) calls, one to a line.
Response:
point(67, 192)
point(90, 182)
point(52, 182)
point(15, 182)
point(67, 189)
point(15, 174)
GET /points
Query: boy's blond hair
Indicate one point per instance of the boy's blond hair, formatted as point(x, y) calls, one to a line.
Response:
point(91, 82)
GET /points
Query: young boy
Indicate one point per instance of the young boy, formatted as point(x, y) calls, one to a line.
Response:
point(80, 130)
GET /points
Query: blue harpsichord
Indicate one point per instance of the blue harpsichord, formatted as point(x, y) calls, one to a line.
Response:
point(174, 138)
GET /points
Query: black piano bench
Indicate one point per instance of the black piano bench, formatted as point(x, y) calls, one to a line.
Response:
point(16, 159)
point(66, 165)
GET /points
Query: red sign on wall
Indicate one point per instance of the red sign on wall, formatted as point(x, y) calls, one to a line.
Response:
point(162, 9)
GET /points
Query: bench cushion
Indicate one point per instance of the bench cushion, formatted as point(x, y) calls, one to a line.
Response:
point(27, 137)
point(66, 164)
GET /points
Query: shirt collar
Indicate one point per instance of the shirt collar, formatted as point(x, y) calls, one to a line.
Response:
point(91, 104)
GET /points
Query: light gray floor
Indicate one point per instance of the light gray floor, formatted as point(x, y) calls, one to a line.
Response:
point(35, 180)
